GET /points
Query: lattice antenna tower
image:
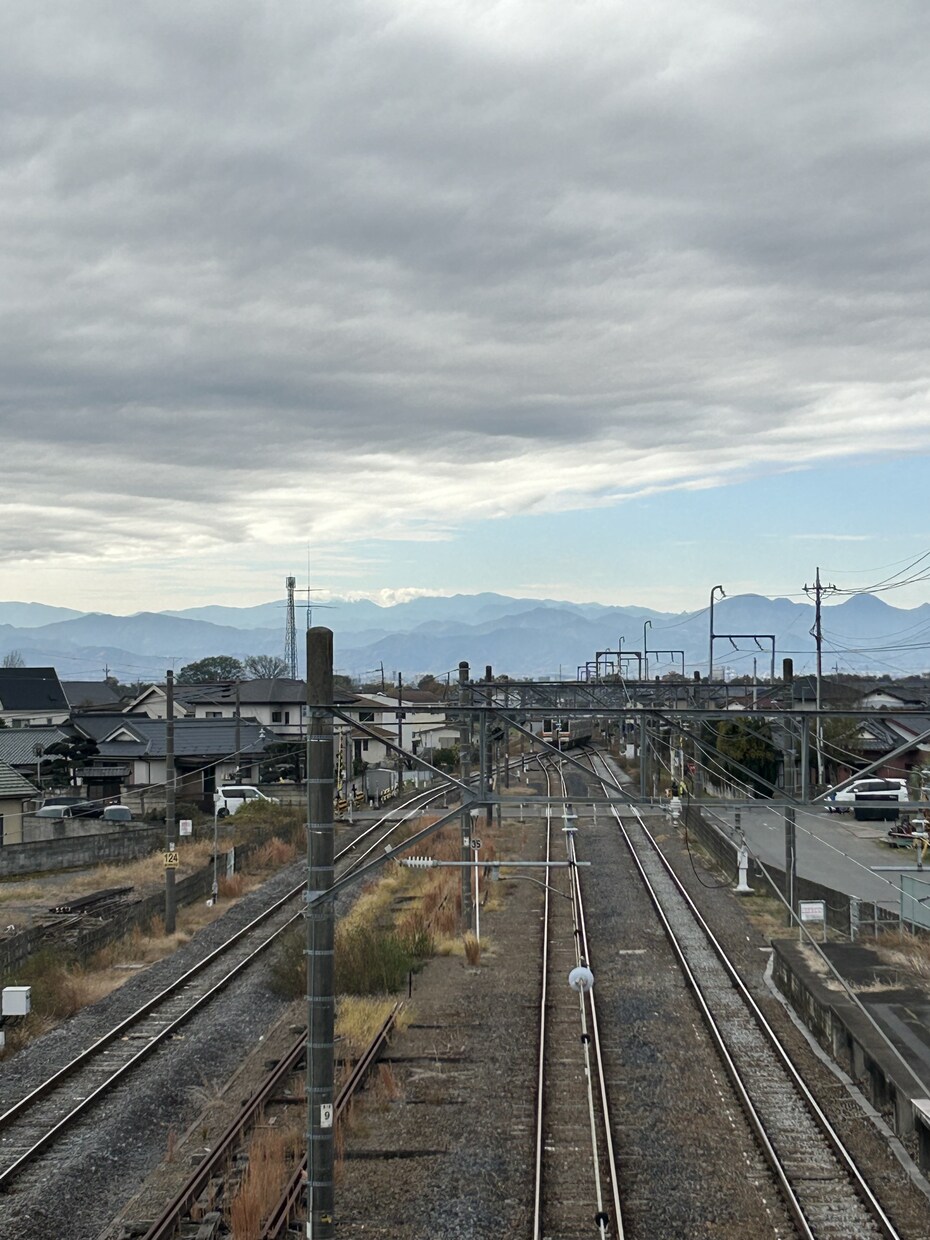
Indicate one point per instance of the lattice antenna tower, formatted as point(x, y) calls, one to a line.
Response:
point(290, 631)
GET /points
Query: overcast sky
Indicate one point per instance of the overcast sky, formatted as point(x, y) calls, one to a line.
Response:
point(584, 299)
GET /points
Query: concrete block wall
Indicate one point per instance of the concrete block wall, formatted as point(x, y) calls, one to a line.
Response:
point(73, 852)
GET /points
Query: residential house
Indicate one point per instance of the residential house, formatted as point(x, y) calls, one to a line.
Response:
point(419, 730)
point(24, 749)
point(15, 793)
point(91, 695)
point(32, 696)
point(132, 754)
point(276, 703)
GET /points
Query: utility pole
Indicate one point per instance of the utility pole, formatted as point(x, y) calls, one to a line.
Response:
point(400, 734)
point(320, 917)
point(818, 590)
point(791, 863)
point(465, 759)
point(237, 710)
point(170, 839)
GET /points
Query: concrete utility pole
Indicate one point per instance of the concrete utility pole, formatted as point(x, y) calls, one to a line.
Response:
point(237, 711)
point(400, 734)
point(465, 773)
point(170, 838)
point(321, 1004)
point(818, 590)
point(647, 624)
point(791, 863)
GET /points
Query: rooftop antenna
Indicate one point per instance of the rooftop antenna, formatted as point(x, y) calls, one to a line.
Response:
point(290, 630)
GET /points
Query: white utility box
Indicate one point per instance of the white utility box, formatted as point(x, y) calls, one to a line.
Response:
point(17, 1000)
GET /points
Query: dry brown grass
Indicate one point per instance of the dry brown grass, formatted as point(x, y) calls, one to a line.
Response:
point(472, 949)
point(359, 1017)
point(905, 951)
point(145, 872)
point(231, 887)
point(385, 1087)
point(271, 1158)
point(22, 893)
point(274, 854)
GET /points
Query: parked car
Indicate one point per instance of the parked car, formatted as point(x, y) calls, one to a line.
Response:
point(872, 789)
point(62, 799)
point(71, 809)
point(117, 813)
point(228, 798)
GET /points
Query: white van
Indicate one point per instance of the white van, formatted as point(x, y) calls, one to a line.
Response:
point(874, 789)
point(228, 798)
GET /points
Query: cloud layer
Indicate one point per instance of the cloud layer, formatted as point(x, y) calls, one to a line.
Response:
point(377, 266)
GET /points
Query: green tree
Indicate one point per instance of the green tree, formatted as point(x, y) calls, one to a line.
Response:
point(211, 670)
point(65, 759)
point(749, 743)
point(445, 759)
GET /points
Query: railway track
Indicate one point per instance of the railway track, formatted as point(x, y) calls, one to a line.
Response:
point(32, 1125)
point(825, 1193)
point(575, 1183)
point(35, 1122)
point(202, 1182)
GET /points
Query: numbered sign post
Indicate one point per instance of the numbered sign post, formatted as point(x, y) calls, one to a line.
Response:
point(476, 846)
point(171, 858)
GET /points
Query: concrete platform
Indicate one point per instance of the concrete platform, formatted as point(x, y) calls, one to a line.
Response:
point(898, 1084)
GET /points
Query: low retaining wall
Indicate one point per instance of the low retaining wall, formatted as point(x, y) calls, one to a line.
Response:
point(69, 853)
point(852, 1042)
point(846, 914)
point(15, 950)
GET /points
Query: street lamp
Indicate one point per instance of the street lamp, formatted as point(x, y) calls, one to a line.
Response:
point(710, 657)
point(647, 624)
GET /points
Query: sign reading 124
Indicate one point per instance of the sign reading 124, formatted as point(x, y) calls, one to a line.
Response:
point(172, 860)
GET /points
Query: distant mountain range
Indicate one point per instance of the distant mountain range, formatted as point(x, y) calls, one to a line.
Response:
point(517, 636)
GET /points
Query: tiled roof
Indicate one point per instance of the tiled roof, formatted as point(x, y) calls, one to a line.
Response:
point(18, 745)
point(192, 737)
point(31, 688)
point(90, 693)
point(13, 785)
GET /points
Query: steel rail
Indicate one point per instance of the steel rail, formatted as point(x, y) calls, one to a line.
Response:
point(168, 1221)
point(598, 1054)
point(593, 1054)
point(291, 1199)
point(541, 1068)
point(816, 1112)
point(85, 1057)
point(8, 1173)
point(140, 1013)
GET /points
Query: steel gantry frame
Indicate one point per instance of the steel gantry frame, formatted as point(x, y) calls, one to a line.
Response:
point(514, 706)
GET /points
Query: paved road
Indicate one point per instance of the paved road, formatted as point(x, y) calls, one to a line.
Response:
point(833, 849)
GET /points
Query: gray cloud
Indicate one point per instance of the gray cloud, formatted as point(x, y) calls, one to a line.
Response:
point(254, 252)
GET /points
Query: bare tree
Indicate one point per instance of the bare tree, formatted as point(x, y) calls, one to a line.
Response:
point(264, 667)
point(13, 658)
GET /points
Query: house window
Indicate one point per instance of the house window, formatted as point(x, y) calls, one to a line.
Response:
point(287, 716)
point(366, 716)
point(213, 714)
point(364, 747)
point(275, 716)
